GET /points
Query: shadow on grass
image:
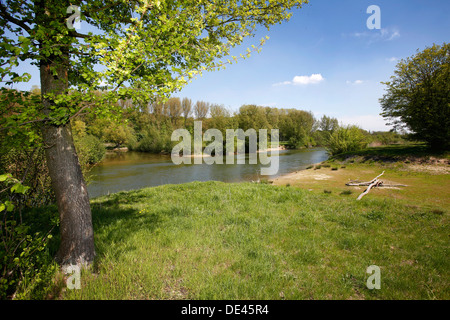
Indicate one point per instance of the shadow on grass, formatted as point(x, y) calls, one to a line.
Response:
point(117, 199)
point(113, 226)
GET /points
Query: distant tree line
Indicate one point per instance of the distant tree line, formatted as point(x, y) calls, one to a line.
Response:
point(148, 127)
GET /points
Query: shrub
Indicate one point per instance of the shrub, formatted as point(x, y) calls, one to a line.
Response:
point(132, 142)
point(30, 165)
point(119, 134)
point(154, 141)
point(26, 265)
point(90, 149)
point(346, 139)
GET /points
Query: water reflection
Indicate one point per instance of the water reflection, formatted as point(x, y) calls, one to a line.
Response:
point(135, 170)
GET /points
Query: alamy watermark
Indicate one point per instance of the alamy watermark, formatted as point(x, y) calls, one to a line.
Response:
point(73, 22)
point(374, 21)
point(374, 280)
point(74, 279)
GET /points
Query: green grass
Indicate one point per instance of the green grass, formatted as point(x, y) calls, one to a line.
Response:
point(215, 240)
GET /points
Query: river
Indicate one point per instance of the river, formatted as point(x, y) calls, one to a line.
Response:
point(134, 170)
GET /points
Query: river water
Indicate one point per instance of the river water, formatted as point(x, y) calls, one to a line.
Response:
point(134, 170)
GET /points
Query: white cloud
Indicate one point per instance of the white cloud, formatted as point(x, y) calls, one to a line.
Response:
point(385, 34)
point(303, 80)
point(356, 82)
point(282, 83)
point(360, 34)
point(390, 35)
point(312, 79)
point(392, 59)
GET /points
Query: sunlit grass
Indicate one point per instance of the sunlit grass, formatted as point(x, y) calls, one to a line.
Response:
point(215, 240)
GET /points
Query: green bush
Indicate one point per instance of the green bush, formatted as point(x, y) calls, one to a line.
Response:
point(155, 141)
point(119, 134)
point(297, 142)
point(26, 265)
point(346, 139)
point(132, 142)
point(29, 164)
point(90, 149)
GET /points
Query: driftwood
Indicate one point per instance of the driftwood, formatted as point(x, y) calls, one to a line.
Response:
point(359, 184)
point(374, 183)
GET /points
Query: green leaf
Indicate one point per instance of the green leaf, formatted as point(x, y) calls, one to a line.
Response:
point(9, 206)
point(3, 177)
point(19, 188)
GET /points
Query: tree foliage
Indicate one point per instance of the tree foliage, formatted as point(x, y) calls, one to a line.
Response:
point(174, 109)
point(186, 108)
point(201, 109)
point(418, 96)
point(26, 267)
point(327, 124)
point(346, 139)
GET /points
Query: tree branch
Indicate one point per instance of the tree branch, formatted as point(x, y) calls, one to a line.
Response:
point(4, 14)
point(79, 35)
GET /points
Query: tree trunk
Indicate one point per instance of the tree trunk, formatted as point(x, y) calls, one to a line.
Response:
point(77, 235)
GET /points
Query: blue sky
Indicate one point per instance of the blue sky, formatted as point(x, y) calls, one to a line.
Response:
point(325, 59)
point(328, 39)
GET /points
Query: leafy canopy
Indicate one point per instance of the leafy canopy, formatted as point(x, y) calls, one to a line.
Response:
point(418, 96)
point(137, 49)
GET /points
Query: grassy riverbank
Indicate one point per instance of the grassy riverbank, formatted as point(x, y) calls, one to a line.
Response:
point(216, 240)
point(426, 177)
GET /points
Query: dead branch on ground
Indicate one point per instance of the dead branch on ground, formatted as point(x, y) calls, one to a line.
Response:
point(374, 183)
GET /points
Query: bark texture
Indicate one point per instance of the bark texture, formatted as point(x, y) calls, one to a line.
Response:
point(77, 235)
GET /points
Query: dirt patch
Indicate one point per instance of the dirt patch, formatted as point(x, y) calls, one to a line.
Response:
point(321, 177)
point(302, 176)
point(432, 169)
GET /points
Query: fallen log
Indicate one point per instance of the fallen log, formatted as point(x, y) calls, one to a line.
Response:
point(374, 184)
point(357, 184)
point(371, 184)
point(365, 184)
